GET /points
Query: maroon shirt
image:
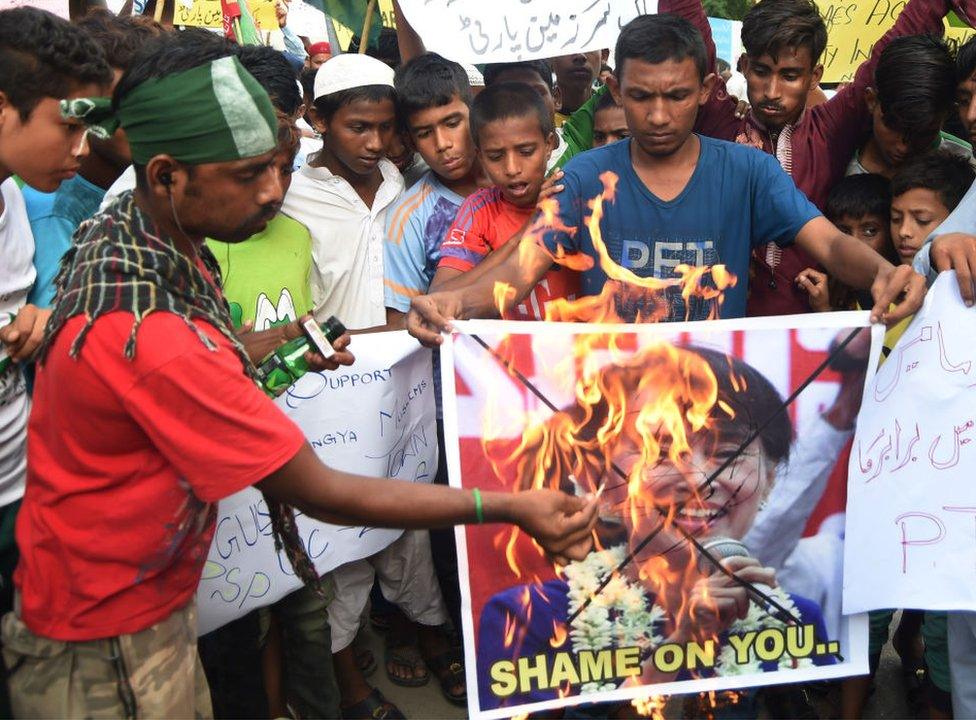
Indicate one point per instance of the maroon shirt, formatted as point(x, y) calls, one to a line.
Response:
point(814, 151)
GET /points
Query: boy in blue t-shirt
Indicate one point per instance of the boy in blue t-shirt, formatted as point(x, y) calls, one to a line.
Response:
point(679, 198)
point(433, 102)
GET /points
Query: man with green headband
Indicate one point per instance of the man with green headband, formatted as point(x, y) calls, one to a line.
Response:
point(146, 414)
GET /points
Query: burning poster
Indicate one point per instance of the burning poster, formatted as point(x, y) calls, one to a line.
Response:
point(724, 441)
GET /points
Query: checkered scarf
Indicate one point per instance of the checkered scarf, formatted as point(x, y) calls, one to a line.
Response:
point(120, 262)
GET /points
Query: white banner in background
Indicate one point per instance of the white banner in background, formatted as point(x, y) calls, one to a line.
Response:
point(472, 31)
point(374, 418)
point(911, 503)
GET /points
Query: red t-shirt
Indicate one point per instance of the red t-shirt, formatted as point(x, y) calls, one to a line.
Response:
point(126, 459)
point(485, 222)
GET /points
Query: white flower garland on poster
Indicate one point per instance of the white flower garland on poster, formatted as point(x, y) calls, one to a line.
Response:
point(622, 615)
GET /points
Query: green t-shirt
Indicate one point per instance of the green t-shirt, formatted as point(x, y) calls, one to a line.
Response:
point(577, 131)
point(267, 277)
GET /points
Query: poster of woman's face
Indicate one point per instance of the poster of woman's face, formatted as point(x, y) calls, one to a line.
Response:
point(718, 452)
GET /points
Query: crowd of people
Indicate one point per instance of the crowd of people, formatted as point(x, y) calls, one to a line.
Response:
point(175, 206)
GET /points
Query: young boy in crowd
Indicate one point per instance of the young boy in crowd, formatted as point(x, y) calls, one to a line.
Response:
point(574, 77)
point(55, 216)
point(343, 195)
point(433, 99)
point(609, 122)
point(923, 193)
point(575, 134)
point(433, 104)
point(43, 59)
point(966, 89)
point(910, 99)
point(344, 191)
point(514, 132)
point(860, 205)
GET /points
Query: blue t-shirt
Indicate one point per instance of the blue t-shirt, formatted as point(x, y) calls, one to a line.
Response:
point(737, 198)
point(415, 228)
point(54, 217)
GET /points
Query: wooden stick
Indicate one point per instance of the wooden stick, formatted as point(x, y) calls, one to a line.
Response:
point(364, 38)
point(158, 10)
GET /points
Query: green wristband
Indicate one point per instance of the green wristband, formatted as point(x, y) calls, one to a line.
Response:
point(479, 510)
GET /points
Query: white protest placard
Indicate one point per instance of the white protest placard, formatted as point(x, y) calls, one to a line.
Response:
point(471, 31)
point(541, 404)
point(58, 7)
point(911, 507)
point(373, 418)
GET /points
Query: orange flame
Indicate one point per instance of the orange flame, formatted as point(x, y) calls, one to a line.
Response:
point(651, 706)
point(653, 406)
point(559, 634)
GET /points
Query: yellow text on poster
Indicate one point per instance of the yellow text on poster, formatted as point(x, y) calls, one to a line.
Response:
point(854, 26)
point(206, 13)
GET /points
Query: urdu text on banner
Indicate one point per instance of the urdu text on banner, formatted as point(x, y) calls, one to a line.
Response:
point(472, 31)
point(911, 507)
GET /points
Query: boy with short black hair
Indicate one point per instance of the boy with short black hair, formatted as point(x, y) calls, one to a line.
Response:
point(515, 135)
point(573, 134)
point(55, 216)
point(912, 95)
point(433, 104)
point(433, 100)
point(609, 122)
point(860, 205)
point(923, 193)
point(966, 88)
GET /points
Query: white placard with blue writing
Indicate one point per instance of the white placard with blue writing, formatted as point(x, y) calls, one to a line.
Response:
point(373, 418)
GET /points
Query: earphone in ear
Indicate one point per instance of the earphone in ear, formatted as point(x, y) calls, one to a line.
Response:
point(166, 179)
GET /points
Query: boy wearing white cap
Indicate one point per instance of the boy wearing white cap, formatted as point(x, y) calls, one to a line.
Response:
point(342, 194)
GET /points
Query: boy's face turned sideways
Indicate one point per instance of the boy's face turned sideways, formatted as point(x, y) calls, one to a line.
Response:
point(870, 229)
point(514, 153)
point(358, 135)
point(914, 215)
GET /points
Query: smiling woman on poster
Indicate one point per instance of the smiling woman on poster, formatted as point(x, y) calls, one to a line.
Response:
point(669, 418)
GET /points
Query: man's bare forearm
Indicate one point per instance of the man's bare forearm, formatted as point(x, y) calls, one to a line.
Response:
point(343, 498)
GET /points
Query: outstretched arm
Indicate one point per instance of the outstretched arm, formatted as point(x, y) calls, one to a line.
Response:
point(561, 523)
point(474, 295)
point(856, 264)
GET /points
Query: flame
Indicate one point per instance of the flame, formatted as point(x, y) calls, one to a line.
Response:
point(651, 706)
point(559, 634)
point(658, 406)
point(626, 296)
point(510, 626)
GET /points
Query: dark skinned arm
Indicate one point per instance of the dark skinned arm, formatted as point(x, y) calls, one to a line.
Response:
point(560, 523)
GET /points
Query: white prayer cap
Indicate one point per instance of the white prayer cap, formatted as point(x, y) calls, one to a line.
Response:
point(475, 78)
point(351, 70)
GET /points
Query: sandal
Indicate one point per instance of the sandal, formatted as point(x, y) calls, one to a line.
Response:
point(374, 707)
point(449, 669)
point(406, 656)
